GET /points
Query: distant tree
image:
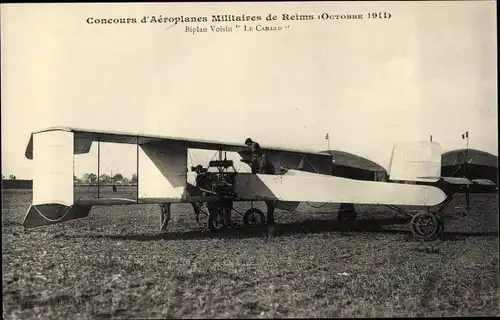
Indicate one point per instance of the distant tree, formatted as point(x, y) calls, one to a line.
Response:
point(134, 178)
point(104, 178)
point(12, 177)
point(118, 177)
point(90, 178)
point(125, 180)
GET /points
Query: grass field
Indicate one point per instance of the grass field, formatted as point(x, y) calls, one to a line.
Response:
point(117, 264)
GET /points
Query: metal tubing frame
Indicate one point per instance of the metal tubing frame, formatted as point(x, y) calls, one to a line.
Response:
point(449, 199)
point(137, 169)
point(98, 166)
point(398, 210)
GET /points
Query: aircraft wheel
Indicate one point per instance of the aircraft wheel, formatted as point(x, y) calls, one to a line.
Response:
point(253, 217)
point(424, 225)
point(217, 222)
point(218, 219)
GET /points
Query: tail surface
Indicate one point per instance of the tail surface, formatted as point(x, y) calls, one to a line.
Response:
point(416, 161)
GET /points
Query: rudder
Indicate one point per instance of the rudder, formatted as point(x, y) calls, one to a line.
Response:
point(416, 161)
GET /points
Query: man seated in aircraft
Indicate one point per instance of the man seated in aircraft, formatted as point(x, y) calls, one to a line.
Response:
point(260, 161)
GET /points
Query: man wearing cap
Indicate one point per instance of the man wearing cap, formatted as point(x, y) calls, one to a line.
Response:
point(262, 165)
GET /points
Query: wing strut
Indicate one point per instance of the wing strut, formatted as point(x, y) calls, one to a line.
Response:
point(466, 160)
point(98, 166)
point(137, 169)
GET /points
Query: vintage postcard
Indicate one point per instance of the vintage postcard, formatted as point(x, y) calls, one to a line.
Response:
point(249, 160)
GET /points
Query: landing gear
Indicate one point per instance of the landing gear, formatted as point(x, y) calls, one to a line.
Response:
point(253, 217)
point(426, 225)
point(219, 214)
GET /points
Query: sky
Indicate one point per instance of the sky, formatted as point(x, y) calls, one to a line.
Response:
point(369, 83)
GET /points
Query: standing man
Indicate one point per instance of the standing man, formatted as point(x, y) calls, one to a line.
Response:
point(262, 165)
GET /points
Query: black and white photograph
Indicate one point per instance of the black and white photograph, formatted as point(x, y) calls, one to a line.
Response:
point(249, 160)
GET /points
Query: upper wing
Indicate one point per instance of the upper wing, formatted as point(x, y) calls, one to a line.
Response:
point(288, 158)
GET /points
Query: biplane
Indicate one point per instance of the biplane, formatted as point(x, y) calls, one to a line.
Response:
point(163, 178)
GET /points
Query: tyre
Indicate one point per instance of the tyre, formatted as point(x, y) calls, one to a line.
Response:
point(424, 225)
point(253, 217)
point(218, 219)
